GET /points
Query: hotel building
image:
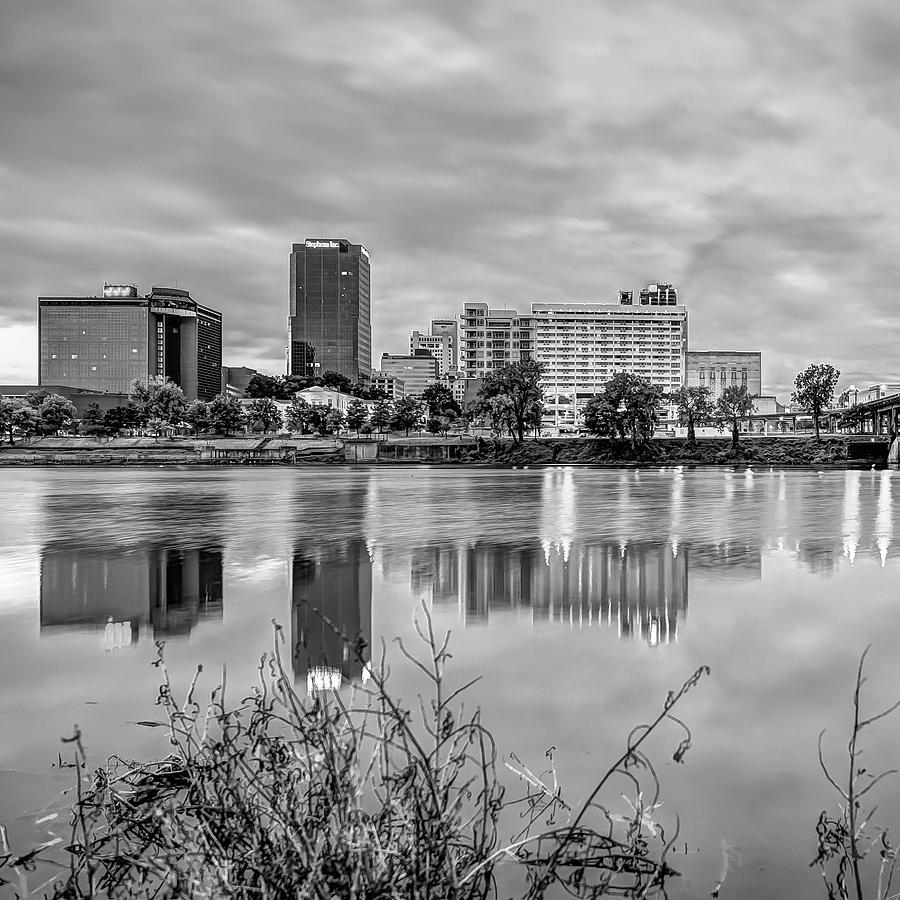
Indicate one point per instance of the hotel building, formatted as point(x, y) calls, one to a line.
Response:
point(582, 345)
point(104, 343)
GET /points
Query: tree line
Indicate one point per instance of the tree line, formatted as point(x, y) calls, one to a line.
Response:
point(510, 401)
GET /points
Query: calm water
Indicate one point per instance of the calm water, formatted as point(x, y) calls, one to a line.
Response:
point(582, 595)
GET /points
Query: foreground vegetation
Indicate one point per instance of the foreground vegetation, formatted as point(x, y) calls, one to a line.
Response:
point(354, 795)
point(330, 795)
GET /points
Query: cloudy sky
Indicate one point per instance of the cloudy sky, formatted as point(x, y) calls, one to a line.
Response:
point(745, 151)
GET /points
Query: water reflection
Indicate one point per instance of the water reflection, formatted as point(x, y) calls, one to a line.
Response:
point(168, 589)
point(331, 614)
point(614, 551)
point(638, 588)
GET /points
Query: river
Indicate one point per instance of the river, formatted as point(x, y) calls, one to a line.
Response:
point(581, 595)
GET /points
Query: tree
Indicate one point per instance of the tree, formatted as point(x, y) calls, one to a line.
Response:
point(225, 414)
point(16, 417)
point(627, 408)
point(852, 418)
point(160, 398)
point(92, 420)
point(56, 413)
point(433, 425)
point(35, 398)
point(197, 416)
point(382, 413)
point(261, 385)
point(317, 417)
point(334, 420)
point(407, 414)
point(499, 416)
point(439, 400)
point(336, 381)
point(734, 404)
point(357, 415)
point(694, 407)
point(815, 389)
point(290, 384)
point(467, 415)
point(298, 415)
point(534, 416)
point(264, 411)
point(20, 418)
point(603, 419)
point(520, 385)
point(119, 418)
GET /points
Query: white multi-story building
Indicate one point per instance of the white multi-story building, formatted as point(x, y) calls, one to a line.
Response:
point(582, 345)
point(442, 342)
point(492, 338)
point(440, 346)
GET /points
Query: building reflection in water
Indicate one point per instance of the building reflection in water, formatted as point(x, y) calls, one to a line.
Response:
point(331, 614)
point(640, 589)
point(169, 589)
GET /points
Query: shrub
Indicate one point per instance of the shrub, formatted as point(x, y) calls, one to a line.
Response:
point(333, 795)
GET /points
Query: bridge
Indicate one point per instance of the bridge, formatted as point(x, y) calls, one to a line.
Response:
point(879, 417)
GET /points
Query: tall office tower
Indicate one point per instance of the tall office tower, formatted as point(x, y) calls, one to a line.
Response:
point(492, 338)
point(329, 327)
point(582, 345)
point(105, 343)
point(657, 295)
point(719, 369)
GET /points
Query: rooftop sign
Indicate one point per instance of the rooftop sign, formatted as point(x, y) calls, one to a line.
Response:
point(323, 245)
point(120, 290)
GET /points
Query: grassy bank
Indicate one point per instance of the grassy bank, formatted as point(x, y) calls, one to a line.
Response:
point(764, 451)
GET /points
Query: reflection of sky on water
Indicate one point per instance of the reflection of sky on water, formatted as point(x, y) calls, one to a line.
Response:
point(884, 521)
point(558, 583)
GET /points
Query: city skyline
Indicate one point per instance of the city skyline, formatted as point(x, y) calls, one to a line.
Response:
point(472, 150)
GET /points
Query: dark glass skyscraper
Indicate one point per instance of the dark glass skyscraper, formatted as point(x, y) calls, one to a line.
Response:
point(329, 326)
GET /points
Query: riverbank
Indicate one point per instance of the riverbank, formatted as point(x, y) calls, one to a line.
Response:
point(842, 450)
point(769, 451)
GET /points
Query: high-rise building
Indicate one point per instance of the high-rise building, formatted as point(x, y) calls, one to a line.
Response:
point(105, 343)
point(492, 338)
point(582, 345)
point(329, 325)
point(417, 370)
point(718, 369)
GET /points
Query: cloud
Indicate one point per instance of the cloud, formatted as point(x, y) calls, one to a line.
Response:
point(479, 151)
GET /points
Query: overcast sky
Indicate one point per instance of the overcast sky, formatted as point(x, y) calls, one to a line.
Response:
point(748, 152)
